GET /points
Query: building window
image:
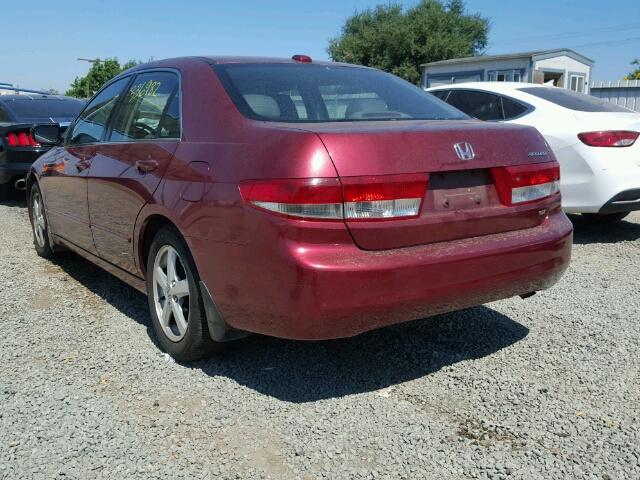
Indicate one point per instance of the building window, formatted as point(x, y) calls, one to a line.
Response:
point(577, 83)
point(437, 80)
point(505, 76)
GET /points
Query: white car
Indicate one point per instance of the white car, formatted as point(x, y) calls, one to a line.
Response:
point(595, 142)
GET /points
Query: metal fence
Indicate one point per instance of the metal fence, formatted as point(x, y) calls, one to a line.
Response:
point(625, 93)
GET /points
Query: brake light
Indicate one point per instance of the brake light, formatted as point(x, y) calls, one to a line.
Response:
point(351, 198)
point(526, 183)
point(612, 138)
point(21, 139)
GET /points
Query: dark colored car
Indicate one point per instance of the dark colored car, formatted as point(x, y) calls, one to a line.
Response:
point(306, 200)
point(18, 149)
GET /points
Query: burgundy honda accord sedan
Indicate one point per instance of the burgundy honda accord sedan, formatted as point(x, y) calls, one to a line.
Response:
point(294, 198)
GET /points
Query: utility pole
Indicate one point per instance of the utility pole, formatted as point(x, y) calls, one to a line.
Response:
point(91, 61)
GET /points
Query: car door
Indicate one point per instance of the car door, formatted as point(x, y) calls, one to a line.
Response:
point(143, 135)
point(64, 181)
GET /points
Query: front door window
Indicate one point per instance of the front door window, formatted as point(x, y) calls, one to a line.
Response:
point(92, 122)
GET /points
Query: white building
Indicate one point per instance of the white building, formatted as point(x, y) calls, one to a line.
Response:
point(561, 67)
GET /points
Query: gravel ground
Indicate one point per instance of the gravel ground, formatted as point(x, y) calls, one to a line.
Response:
point(542, 388)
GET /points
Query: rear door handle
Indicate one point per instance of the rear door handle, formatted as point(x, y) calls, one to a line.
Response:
point(146, 166)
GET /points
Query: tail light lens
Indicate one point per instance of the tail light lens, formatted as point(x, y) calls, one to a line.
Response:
point(526, 183)
point(383, 197)
point(613, 138)
point(306, 198)
point(21, 138)
point(356, 198)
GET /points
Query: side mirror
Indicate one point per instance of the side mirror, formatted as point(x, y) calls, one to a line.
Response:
point(46, 134)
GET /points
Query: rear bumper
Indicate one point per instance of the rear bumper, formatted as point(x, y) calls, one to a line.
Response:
point(9, 171)
point(16, 161)
point(626, 201)
point(593, 177)
point(313, 292)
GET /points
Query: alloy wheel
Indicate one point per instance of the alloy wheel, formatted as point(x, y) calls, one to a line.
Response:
point(38, 220)
point(171, 293)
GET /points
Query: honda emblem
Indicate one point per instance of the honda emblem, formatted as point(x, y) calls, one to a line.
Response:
point(464, 150)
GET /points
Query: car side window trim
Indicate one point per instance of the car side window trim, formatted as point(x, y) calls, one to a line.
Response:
point(177, 91)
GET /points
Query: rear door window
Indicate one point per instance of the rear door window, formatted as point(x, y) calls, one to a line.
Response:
point(149, 110)
point(579, 102)
point(480, 105)
point(441, 94)
point(92, 123)
point(486, 106)
point(170, 125)
point(512, 108)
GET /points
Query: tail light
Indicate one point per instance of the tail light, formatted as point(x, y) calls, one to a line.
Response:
point(526, 183)
point(21, 138)
point(387, 196)
point(351, 198)
point(612, 138)
point(302, 58)
point(307, 198)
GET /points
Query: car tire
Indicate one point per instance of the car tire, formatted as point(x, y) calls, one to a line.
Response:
point(605, 218)
point(39, 224)
point(175, 302)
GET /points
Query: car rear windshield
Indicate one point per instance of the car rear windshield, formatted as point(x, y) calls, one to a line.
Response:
point(321, 93)
point(573, 100)
point(39, 108)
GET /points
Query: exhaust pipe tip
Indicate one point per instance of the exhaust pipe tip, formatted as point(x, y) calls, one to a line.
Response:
point(527, 295)
point(20, 184)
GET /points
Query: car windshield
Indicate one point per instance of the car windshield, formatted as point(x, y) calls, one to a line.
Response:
point(321, 93)
point(43, 108)
point(579, 102)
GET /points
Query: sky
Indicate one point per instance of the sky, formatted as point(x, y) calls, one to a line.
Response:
point(42, 40)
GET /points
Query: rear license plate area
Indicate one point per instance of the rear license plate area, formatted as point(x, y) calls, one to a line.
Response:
point(460, 190)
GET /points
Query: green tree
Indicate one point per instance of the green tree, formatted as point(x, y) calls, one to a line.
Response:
point(100, 72)
point(399, 40)
point(635, 75)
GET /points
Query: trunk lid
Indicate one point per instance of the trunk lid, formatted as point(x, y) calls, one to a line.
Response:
point(461, 200)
